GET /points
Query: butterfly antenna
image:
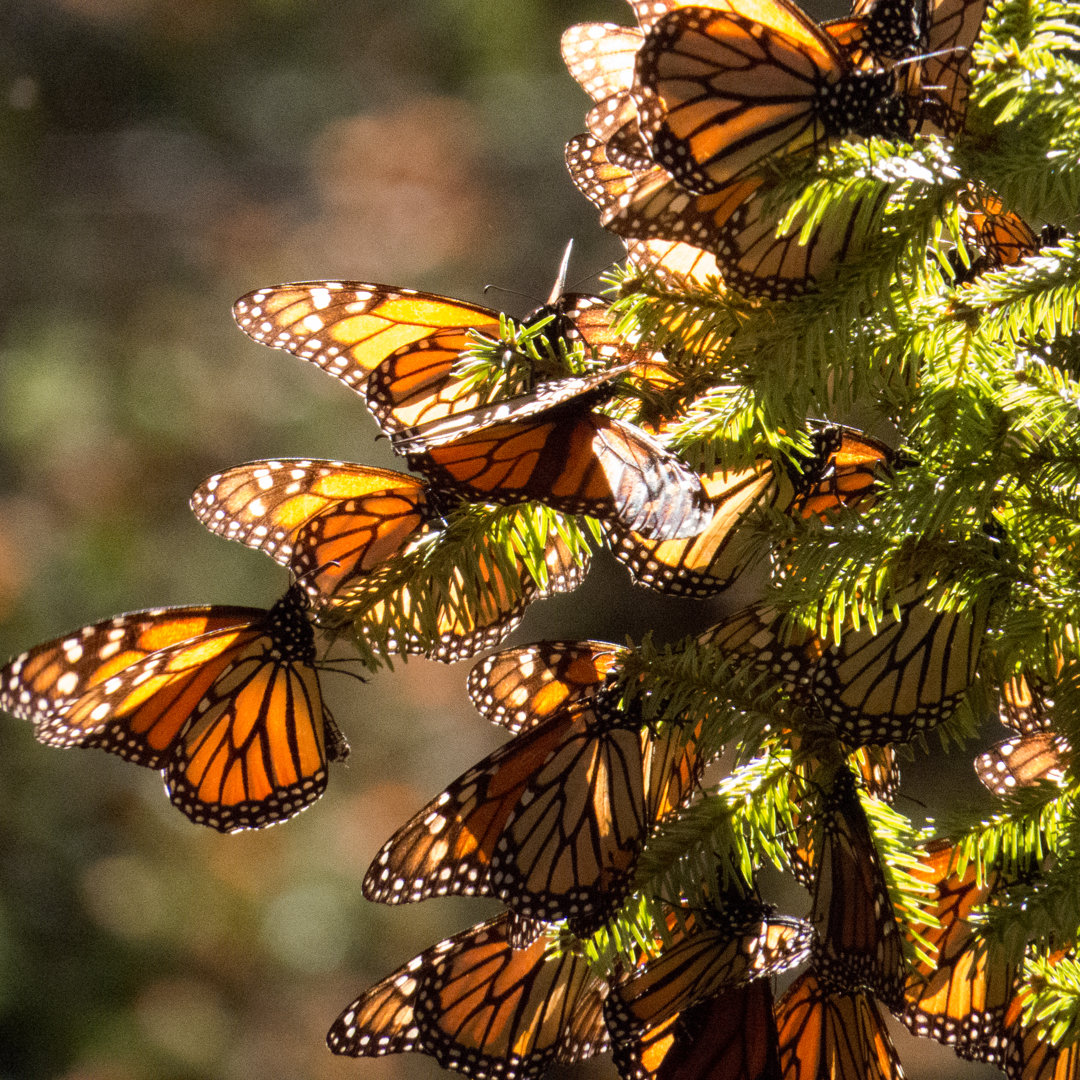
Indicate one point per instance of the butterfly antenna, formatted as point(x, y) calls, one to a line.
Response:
point(560, 280)
point(907, 60)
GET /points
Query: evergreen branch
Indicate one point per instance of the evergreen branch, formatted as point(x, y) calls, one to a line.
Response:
point(446, 576)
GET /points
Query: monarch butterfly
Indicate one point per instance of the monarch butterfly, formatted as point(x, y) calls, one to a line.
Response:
point(842, 471)
point(482, 1007)
point(826, 1034)
point(875, 687)
point(721, 91)
point(859, 941)
point(576, 461)
point(997, 237)
point(519, 688)
point(732, 1034)
point(398, 347)
point(225, 701)
point(334, 524)
point(687, 239)
point(552, 823)
point(1022, 761)
point(961, 997)
point(716, 952)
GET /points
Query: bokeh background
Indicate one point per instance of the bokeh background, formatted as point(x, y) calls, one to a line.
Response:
point(158, 159)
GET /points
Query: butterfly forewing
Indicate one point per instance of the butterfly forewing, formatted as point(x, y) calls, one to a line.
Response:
point(349, 327)
point(731, 1036)
point(1022, 761)
point(575, 461)
point(961, 996)
point(713, 955)
point(446, 848)
point(291, 508)
point(43, 682)
point(859, 941)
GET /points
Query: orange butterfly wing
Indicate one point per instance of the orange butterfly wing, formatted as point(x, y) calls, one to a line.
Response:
point(42, 683)
point(731, 1036)
point(232, 715)
point(1022, 761)
point(519, 688)
point(326, 520)
point(349, 327)
point(686, 240)
point(712, 956)
point(860, 945)
point(722, 89)
point(478, 1005)
point(575, 461)
point(826, 1036)
point(961, 998)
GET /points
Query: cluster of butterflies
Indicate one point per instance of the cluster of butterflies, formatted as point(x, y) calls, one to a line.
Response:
point(227, 703)
point(695, 105)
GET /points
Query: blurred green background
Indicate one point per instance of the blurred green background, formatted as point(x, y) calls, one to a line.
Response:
point(156, 161)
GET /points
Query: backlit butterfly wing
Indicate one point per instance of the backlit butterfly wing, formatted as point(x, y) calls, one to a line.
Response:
point(713, 956)
point(519, 688)
point(731, 1036)
point(1022, 761)
point(233, 716)
point(349, 327)
point(674, 264)
point(875, 687)
point(859, 941)
point(481, 1007)
point(828, 1036)
point(415, 390)
point(571, 844)
point(577, 462)
point(446, 848)
point(599, 785)
point(844, 475)
point(41, 684)
point(686, 239)
point(907, 677)
point(326, 520)
point(709, 562)
point(721, 90)
point(879, 769)
point(941, 81)
point(450, 620)
point(1026, 706)
point(1029, 1054)
point(997, 237)
point(961, 998)
point(600, 57)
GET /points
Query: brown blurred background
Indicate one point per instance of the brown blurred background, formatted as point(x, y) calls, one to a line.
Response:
point(156, 161)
